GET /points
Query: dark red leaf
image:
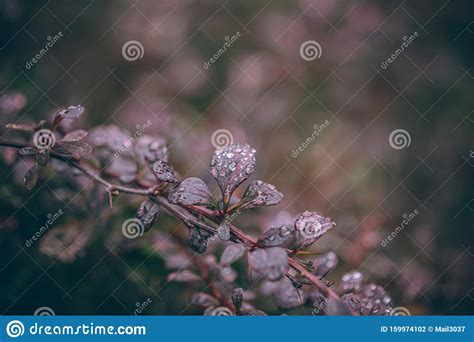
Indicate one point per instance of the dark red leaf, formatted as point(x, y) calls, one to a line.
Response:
point(191, 191)
point(259, 194)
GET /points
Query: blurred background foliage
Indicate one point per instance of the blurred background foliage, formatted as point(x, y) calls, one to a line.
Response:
point(267, 95)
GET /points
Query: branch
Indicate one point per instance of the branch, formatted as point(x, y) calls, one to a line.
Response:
point(183, 214)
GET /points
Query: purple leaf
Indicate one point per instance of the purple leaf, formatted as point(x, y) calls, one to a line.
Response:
point(78, 134)
point(27, 151)
point(147, 213)
point(286, 296)
point(325, 263)
point(232, 253)
point(42, 156)
point(151, 149)
point(31, 177)
point(76, 148)
point(232, 165)
point(370, 299)
point(223, 232)
point(283, 236)
point(351, 281)
point(310, 226)
point(164, 172)
point(71, 112)
point(183, 276)
point(270, 263)
point(204, 300)
point(191, 191)
point(260, 194)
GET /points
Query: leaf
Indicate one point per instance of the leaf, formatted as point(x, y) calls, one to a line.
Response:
point(310, 226)
point(198, 240)
point(232, 165)
point(223, 232)
point(27, 151)
point(232, 253)
point(286, 296)
point(237, 297)
point(164, 172)
point(204, 300)
point(31, 177)
point(76, 149)
point(183, 276)
point(370, 299)
point(42, 156)
point(75, 135)
point(151, 149)
point(147, 214)
point(111, 136)
point(270, 263)
point(71, 112)
point(283, 236)
point(191, 191)
point(325, 264)
point(260, 194)
point(351, 281)
point(336, 307)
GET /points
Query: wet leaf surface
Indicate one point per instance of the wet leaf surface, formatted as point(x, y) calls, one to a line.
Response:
point(232, 253)
point(231, 166)
point(75, 135)
point(191, 191)
point(260, 194)
point(325, 263)
point(270, 263)
point(199, 240)
point(164, 172)
point(336, 307)
point(147, 214)
point(310, 226)
point(151, 149)
point(351, 281)
point(223, 231)
point(286, 296)
point(368, 300)
point(283, 236)
point(237, 297)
